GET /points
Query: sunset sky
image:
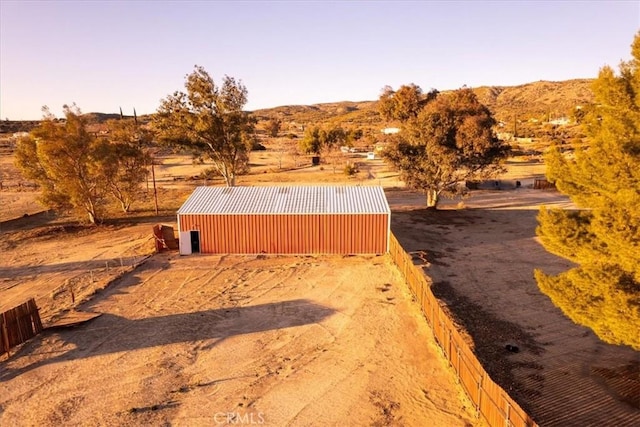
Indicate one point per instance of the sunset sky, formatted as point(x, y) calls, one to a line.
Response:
point(107, 55)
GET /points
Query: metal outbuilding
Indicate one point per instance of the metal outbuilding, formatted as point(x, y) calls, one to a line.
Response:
point(285, 220)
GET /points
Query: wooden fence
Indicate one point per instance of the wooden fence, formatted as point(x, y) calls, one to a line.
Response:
point(18, 325)
point(543, 184)
point(490, 400)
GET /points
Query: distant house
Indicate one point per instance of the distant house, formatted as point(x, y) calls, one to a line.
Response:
point(390, 131)
point(504, 136)
point(17, 135)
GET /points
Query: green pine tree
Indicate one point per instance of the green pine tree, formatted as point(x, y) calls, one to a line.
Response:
point(603, 236)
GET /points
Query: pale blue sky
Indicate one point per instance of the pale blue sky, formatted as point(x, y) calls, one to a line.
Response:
point(103, 55)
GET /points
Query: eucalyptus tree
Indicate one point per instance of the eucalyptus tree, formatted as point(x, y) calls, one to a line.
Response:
point(209, 121)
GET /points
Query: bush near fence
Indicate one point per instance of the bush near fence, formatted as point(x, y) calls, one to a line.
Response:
point(490, 400)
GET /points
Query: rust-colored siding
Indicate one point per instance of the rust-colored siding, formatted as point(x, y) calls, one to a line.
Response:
point(290, 234)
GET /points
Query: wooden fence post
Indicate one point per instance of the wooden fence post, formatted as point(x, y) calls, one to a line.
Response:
point(5, 334)
point(36, 316)
point(479, 395)
point(17, 318)
point(425, 299)
point(458, 368)
point(19, 324)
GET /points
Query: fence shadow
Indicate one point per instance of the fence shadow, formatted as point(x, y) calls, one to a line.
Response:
point(491, 401)
point(431, 221)
point(95, 264)
point(141, 218)
point(110, 333)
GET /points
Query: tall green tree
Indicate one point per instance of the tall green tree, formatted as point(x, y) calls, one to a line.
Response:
point(209, 121)
point(317, 139)
point(603, 236)
point(273, 127)
point(352, 135)
point(333, 137)
point(124, 159)
point(62, 159)
point(449, 141)
point(403, 104)
point(311, 142)
point(77, 170)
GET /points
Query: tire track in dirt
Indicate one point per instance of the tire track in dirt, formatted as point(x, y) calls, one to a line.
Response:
point(304, 341)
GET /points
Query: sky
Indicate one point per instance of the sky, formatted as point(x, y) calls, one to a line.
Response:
point(106, 55)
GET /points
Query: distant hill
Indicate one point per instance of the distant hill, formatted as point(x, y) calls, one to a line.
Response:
point(94, 119)
point(294, 117)
point(15, 126)
point(540, 100)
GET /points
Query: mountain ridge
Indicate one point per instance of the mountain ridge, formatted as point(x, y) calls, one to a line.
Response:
point(541, 100)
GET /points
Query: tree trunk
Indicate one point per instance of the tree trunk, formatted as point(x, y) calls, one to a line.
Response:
point(91, 211)
point(432, 199)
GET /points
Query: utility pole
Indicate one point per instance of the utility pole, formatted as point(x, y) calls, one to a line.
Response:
point(155, 192)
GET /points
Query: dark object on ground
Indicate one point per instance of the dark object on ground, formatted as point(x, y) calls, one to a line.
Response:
point(512, 348)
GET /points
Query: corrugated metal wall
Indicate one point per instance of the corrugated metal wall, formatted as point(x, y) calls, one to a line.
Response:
point(290, 234)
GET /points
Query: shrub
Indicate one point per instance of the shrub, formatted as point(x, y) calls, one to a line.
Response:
point(351, 169)
point(256, 146)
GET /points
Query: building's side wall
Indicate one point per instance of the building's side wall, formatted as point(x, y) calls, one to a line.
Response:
point(290, 234)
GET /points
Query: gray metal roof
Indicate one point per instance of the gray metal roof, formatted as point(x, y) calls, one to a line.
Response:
point(285, 200)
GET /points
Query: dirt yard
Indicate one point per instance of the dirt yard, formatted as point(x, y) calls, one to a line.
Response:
point(17, 196)
point(480, 260)
point(297, 341)
point(285, 340)
point(50, 259)
point(214, 340)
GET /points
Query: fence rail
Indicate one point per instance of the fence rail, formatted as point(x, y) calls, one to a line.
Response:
point(490, 400)
point(18, 325)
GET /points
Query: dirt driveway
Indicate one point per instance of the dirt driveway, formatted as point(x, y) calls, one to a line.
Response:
point(481, 260)
point(190, 341)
